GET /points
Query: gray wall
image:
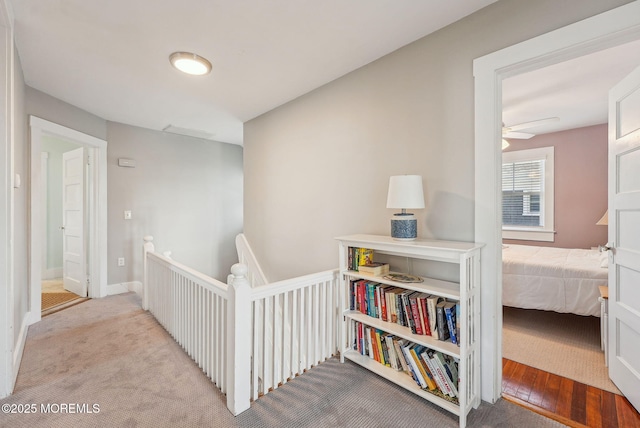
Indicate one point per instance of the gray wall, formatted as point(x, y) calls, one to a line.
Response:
point(54, 110)
point(318, 167)
point(185, 192)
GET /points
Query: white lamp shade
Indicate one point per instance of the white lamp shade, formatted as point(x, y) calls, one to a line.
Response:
point(405, 191)
point(604, 221)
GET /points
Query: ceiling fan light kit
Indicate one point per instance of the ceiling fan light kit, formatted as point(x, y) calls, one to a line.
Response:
point(512, 131)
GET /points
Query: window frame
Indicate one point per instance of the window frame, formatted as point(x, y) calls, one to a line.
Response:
point(546, 232)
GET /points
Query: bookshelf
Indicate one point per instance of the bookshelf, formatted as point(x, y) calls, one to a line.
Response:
point(465, 259)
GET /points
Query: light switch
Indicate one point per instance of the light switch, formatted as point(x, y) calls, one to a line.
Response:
point(127, 215)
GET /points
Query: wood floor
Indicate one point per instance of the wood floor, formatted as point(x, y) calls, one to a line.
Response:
point(571, 403)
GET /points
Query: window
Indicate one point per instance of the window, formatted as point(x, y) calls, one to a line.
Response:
point(527, 194)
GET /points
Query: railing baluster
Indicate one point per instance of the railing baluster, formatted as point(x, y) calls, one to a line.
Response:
point(293, 324)
point(255, 352)
point(293, 356)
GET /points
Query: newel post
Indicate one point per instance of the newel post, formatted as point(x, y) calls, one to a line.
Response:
point(148, 247)
point(238, 340)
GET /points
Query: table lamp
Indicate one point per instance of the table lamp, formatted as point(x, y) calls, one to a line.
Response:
point(405, 192)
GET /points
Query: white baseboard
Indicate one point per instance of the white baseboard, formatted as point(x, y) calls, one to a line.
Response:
point(53, 273)
point(19, 348)
point(124, 287)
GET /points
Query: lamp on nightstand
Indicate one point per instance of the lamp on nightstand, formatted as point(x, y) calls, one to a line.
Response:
point(405, 192)
point(604, 221)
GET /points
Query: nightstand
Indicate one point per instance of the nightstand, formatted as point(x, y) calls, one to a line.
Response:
point(604, 321)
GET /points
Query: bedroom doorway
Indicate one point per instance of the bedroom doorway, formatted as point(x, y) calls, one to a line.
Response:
point(612, 28)
point(551, 281)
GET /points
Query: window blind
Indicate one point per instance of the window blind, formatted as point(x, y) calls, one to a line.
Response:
point(522, 193)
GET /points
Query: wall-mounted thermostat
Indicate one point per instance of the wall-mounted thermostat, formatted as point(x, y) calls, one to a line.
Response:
point(129, 163)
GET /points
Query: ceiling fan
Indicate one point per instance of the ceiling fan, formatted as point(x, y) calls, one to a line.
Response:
point(512, 131)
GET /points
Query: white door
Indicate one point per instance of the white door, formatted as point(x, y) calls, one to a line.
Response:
point(73, 218)
point(624, 236)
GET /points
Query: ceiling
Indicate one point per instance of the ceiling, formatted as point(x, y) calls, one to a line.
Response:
point(574, 91)
point(110, 58)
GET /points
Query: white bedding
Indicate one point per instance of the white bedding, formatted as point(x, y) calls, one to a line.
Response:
point(553, 279)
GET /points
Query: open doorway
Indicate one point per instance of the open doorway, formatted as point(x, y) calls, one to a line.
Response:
point(603, 31)
point(67, 244)
point(64, 172)
point(554, 179)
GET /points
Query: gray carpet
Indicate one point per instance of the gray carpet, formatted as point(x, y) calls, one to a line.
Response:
point(108, 352)
point(564, 344)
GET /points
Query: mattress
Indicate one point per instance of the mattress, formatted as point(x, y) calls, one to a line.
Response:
point(553, 279)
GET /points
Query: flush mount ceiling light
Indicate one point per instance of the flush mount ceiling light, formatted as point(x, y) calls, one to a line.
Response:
point(190, 63)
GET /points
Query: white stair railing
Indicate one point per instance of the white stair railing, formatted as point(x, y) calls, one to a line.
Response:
point(248, 341)
point(246, 257)
point(295, 327)
point(192, 307)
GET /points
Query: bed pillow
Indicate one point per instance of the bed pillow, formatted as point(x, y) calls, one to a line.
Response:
point(604, 259)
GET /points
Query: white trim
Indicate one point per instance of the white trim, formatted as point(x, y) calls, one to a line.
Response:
point(19, 346)
point(125, 287)
point(97, 235)
point(7, 374)
point(44, 168)
point(546, 232)
point(528, 234)
point(608, 29)
point(53, 273)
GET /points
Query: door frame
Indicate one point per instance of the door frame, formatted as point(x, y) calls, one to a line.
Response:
point(602, 31)
point(96, 207)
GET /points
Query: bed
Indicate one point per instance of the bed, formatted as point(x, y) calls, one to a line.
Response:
point(553, 279)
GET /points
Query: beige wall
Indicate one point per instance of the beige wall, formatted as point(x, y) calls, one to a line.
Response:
point(318, 167)
point(580, 178)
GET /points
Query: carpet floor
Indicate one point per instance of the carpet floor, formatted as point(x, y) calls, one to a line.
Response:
point(114, 359)
point(567, 345)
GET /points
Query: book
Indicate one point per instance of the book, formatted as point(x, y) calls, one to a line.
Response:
point(374, 344)
point(382, 356)
point(424, 314)
point(367, 333)
point(384, 302)
point(443, 329)
point(415, 351)
point(414, 312)
point(363, 256)
point(438, 359)
point(362, 343)
point(400, 308)
point(451, 365)
point(458, 320)
point(371, 299)
point(406, 310)
point(426, 358)
point(374, 268)
point(398, 344)
point(432, 303)
point(391, 350)
point(450, 313)
point(411, 363)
